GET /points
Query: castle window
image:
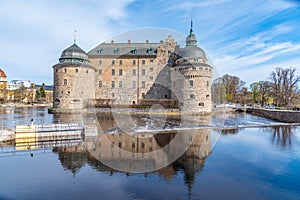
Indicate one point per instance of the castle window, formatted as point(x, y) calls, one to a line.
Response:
point(207, 83)
point(120, 72)
point(133, 102)
point(151, 69)
point(151, 78)
point(113, 62)
point(134, 72)
point(133, 84)
point(65, 70)
point(192, 96)
point(56, 70)
point(133, 62)
point(65, 82)
point(99, 50)
point(112, 95)
point(100, 71)
point(166, 96)
point(143, 145)
point(69, 92)
point(143, 72)
point(133, 145)
point(116, 50)
point(143, 84)
point(76, 70)
point(87, 71)
point(193, 68)
point(113, 84)
point(201, 104)
point(191, 83)
point(151, 60)
point(100, 83)
point(120, 84)
point(100, 62)
point(143, 62)
point(120, 62)
point(150, 149)
point(149, 50)
point(207, 95)
point(143, 95)
point(113, 72)
point(200, 68)
point(133, 51)
point(206, 69)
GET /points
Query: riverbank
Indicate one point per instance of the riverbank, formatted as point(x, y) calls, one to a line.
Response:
point(22, 105)
point(287, 116)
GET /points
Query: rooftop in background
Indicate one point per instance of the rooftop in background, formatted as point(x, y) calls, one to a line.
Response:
point(2, 74)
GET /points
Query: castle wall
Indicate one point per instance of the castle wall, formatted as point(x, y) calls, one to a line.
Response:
point(73, 86)
point(192, 88)
point(126, 80)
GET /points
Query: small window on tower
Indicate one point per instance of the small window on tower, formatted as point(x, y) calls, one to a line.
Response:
point(76, 70)
point(191, 83)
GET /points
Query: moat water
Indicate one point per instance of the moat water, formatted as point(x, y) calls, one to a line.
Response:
point(243, 163)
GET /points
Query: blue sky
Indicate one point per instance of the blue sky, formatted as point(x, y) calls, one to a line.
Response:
point(244, 38)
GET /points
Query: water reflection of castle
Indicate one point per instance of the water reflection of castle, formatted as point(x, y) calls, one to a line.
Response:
point(138, 147)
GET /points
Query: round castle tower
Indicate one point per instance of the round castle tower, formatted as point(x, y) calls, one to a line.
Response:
point(74, 80)
point(191, 77)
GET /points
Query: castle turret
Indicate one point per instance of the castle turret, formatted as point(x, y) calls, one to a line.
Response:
point(74, 80)
point(191, 77)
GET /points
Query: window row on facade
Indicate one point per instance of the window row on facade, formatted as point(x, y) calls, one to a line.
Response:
point(76, 70)
point(193, 68)
point(120, 84)
point(120, 62)
point(120, 73)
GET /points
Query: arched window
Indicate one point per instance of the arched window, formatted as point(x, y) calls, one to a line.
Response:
point(201, 104)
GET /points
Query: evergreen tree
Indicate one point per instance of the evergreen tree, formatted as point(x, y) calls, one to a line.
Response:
point(42, 92)
point(37, 94)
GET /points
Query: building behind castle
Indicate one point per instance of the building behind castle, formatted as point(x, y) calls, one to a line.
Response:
point(130, 74)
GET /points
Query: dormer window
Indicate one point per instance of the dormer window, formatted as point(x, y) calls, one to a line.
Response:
point(149, 50)
point(133, 51)
point(116, 51)
point(100, 51)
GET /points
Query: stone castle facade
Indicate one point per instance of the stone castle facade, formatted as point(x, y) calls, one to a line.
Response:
point(134, 74)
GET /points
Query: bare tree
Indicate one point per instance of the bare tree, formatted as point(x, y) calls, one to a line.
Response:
point(284, 82)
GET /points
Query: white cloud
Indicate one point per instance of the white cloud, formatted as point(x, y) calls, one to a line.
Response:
point(35, 32)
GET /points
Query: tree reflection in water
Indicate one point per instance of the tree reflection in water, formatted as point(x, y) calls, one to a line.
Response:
point(281, 135)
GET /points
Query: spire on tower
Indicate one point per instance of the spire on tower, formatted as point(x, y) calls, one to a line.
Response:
point(74, 36)
point(191, 29)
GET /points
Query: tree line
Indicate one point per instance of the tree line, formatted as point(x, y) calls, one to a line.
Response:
point(280, 89)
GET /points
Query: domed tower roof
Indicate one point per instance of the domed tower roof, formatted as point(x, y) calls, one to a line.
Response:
point(2, 74)
point(191, 50)
point(74, 54)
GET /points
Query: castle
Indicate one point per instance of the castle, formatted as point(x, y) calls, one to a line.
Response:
point(134, 74)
